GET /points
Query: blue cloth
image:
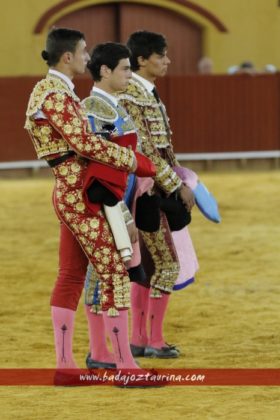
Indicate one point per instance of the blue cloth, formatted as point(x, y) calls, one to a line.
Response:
point(92, 123)
point(183, 285)
point(206, 203)
point(94, 298)
point(128, 197)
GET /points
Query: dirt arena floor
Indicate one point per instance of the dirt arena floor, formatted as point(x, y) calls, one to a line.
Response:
point(228, 319)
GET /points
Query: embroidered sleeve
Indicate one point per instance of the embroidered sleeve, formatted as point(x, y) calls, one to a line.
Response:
point(165, 178)
point(67, 118)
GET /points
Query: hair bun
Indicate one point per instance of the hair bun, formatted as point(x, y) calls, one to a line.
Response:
point(45, 55)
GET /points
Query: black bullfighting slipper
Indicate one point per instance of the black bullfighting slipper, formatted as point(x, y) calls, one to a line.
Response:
point(137, 351)
point(167, 352)
point(95, 364)
point(172, 346)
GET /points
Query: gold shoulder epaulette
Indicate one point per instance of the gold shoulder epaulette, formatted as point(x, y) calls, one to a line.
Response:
point(136, 92)
point(44, 88)
point(100, 109)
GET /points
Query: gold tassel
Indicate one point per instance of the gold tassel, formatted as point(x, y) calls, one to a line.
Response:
point(113, 312)
point(155, 293)
point(96, 309)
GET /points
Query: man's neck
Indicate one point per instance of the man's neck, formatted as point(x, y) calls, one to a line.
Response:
point(64, 70)
point(104, 86)
point(62, 76)
point(97, 88)
point(141, 72)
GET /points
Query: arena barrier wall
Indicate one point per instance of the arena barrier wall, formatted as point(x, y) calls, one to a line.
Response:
point(212, 117)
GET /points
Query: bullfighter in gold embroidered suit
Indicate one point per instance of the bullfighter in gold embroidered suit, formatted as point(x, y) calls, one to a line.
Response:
point(60, 131)
point(110, 69)
point(168, 207)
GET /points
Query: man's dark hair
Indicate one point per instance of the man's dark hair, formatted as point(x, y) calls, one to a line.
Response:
point(108, 53)
point(59, 41)
point(144, 44)
point(246, 65)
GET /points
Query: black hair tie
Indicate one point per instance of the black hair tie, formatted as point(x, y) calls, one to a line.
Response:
point(45, 55)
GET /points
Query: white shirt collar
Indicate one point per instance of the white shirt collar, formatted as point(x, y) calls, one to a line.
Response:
point(148, 85)
point(63, 76)
point(112, 98)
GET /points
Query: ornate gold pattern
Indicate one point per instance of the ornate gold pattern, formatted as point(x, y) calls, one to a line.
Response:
point(92, 293)
point(103, 111)
point(100, 109)
point(155, 293)
point(94, 235)
point(44, 88)
point(63, 126)
point(152, 123)
point(164, 257)
point(112, 312)
point(126, 213)
point(66, 126)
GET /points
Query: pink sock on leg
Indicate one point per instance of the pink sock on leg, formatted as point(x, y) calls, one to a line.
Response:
point(117, 328)
point(139, 314)
point(97, 338)
point(63, 325)
point(157, 310)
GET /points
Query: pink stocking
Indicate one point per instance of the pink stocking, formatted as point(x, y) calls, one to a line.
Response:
point(139, 312)
point(117, 328)
point(63, 325)
point(97, 338)
point(157, 310)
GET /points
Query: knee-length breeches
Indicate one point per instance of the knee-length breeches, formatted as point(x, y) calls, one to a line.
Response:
point(93, 234)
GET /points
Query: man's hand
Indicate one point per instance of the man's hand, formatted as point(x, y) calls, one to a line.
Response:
point(132, 232)
point(187, 196)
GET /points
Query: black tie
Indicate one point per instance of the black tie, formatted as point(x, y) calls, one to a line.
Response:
point(164, 116)
point(156, 95)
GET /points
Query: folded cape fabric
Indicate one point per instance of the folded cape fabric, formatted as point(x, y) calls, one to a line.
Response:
point(126, 140)
point(176, 212)
point(187, 258)
point(145, 167)
point(110, 178)
point(205, 201)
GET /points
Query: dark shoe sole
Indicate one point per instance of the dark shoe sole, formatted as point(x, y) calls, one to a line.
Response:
point(163, 353)
point(137, 351)
point(95, 364)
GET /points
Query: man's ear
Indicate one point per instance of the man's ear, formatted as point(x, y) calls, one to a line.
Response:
point(105, 71)
point(67, 57)
point(141, 61)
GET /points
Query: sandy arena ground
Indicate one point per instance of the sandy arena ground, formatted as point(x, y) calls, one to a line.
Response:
point(229, 318)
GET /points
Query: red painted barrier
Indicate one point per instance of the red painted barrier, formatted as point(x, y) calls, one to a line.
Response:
point(207, 113)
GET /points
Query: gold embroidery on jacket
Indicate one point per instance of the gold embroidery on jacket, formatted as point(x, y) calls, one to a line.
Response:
point(152, 123)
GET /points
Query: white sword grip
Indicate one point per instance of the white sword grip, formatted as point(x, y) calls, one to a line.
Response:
point(118, 227)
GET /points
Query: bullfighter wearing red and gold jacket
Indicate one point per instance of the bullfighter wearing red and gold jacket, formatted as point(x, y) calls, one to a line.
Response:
point(61, 134)
point(66, 128)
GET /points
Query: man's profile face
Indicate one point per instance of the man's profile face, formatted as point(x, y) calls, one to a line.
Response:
point(157, 64)
point(119, 77)
point(80, 58)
